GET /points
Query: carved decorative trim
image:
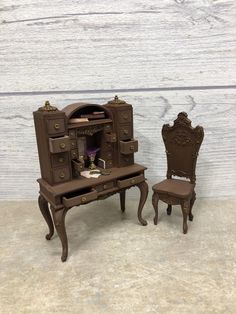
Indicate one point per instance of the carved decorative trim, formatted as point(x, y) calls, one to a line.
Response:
point(48, 107)
point(90, 130)
point(116, 101)
point(182, 138)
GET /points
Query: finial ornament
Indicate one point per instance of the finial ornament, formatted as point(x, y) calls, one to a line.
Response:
point(116, 101)
point(47, 107)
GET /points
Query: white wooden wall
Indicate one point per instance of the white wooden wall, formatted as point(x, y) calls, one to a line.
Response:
point(161, 56)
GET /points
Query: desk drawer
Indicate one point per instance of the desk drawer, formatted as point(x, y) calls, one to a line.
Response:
point(79, 197)
point(61, 174)
point(59, 159)
point(126, 182)
point(72, 133)
point(77, 165)
point(125, 116)
point(105, 186)
point(110, 137)
point(73, 144)
point(128, 147)
point(59, 145)
point(56, 126)
point(126, 132)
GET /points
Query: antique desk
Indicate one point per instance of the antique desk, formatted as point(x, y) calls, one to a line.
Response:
point(65, 139)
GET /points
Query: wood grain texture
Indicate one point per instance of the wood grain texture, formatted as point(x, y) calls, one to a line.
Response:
point(96, 45)
point(214, 110)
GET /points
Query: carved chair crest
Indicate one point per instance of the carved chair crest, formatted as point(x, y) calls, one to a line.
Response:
point(182, 143)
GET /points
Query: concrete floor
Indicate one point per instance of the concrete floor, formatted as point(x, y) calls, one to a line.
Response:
point(116, 265)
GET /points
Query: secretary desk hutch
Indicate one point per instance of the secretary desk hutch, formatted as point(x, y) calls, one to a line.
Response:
point(65, 138)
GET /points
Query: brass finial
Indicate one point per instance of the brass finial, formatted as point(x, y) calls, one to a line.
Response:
point(47, 107)
point(116, 101)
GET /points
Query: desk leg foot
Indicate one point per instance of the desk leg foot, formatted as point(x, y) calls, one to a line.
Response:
point(59, 221)
point(122, 200)
point(143, 187)
point(43, 206)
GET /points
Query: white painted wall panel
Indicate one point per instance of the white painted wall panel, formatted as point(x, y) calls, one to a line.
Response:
point(97, 45)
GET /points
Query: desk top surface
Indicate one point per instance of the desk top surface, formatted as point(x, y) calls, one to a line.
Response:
point(81, 182)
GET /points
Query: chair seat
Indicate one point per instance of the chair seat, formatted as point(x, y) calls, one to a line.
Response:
point(174, 187)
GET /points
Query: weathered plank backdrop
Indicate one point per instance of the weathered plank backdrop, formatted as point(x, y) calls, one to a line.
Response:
point(161, 56)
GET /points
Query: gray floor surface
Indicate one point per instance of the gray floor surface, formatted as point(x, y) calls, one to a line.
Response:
point(115, 265)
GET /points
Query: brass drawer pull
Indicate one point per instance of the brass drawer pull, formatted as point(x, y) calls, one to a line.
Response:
point(83, 199)
point(62, 175)
point(56, 126)
point(61, 159)
point(81, 167)
point(126, 132)
point(125, 116)
point(62, 145)
point(131, 147)
point(73, 144)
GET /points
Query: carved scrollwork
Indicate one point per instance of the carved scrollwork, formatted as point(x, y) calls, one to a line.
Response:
point(182, 138)
point(90, 130)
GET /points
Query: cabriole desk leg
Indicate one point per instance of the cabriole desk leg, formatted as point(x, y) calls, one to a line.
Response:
point(143, 187)
point(43, 206)
point(59, 221)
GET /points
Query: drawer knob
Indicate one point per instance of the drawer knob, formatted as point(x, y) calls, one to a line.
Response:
point(131, 147)
point(125, 116)
point(73, 144)
point(105, 186)
point(84, 199)
point(62, 175)
point(126, 132)
point(61, 159)
point(81, 167)
point(113, 138)
point(74, 154)
point(56, 126)
point(133, 181)
point(62, 145)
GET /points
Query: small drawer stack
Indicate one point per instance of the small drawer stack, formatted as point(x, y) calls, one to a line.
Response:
point(53, 144)
point(126, 146)
point(107, 146)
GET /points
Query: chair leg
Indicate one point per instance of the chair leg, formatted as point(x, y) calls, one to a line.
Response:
point(169, 210)
point(191, 206)
point(185, 206)
point(155, 199)
point(122, 200)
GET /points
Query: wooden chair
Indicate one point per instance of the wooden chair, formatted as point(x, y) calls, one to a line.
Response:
point(182, 143)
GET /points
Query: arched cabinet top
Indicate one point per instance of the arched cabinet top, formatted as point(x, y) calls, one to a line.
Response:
point(77, 109)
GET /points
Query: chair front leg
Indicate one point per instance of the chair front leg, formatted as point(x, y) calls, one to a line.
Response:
point(155, 200)
point(191, 206)
point(185, 206)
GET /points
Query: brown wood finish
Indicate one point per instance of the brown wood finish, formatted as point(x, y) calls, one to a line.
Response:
point(182, 143)
point(61, 145)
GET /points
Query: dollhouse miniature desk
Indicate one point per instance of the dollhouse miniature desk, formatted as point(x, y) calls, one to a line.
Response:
point(64, 138)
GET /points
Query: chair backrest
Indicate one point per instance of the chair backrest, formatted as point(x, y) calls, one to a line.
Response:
point(182, 143)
